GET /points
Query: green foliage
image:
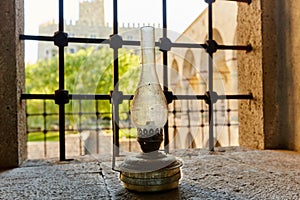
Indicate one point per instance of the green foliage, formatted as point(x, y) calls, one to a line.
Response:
point(89, 71)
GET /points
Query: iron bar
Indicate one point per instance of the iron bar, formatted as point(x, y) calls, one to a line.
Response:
point(165, 73)
point(73, 96)
point(88, 40)
point(130, 97)
point(115, 107)
point(202, 123)
point(129, 127)
point(61, 15)
point(228, 123)
point(189, 97)
point(215, 122)
point(189, 122)
point(136, 43)
point(38, 96)
point(68, 113)
point(115, 17)
point(61, 79)
point(80, 124)
point(210, 78)
point(61, 70)
point(86, 129)
point(45, 127)
point(62, 133)
point(235, 47)
point(38, 38)
point(90, 97)
point(174, 124)
point(189, 45)
point(242, 1)
point(97, 127)
point(164, 12)
point(237, 96)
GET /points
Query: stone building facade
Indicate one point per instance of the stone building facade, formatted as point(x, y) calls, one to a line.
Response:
point(188, 75)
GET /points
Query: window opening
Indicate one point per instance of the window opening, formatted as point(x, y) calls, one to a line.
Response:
point(62, 96)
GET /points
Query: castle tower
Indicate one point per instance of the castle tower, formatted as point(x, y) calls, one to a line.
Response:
point(91, 12)
point(91, 24)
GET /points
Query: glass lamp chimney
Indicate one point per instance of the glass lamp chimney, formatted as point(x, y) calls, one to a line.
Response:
point(149, 106)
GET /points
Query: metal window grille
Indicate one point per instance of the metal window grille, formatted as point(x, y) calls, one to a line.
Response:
point(62, 96)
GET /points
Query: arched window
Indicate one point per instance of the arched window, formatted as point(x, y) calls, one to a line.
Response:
point(174, 75)
point(191, 81)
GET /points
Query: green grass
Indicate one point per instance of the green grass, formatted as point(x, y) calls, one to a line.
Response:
point(54, 136)
point(39, 136)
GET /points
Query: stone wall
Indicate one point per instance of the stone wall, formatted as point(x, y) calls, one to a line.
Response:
point(288, 65)
point(12, 110)
point(270, 72)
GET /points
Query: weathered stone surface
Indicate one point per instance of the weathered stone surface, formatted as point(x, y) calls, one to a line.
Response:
point(228, 173)
point(12, 119)
point(250, 75)
point(288, 59)
point(270, 72)
point(55, 181)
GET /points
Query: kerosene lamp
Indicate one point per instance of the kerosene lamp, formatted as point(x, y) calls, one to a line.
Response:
point(152, 170)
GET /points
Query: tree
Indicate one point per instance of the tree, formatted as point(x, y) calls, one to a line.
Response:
point(89, 71)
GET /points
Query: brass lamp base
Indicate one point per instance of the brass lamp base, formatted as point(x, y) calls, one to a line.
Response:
point(150, 174)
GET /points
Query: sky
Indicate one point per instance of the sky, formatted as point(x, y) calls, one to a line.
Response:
point(180, 15)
